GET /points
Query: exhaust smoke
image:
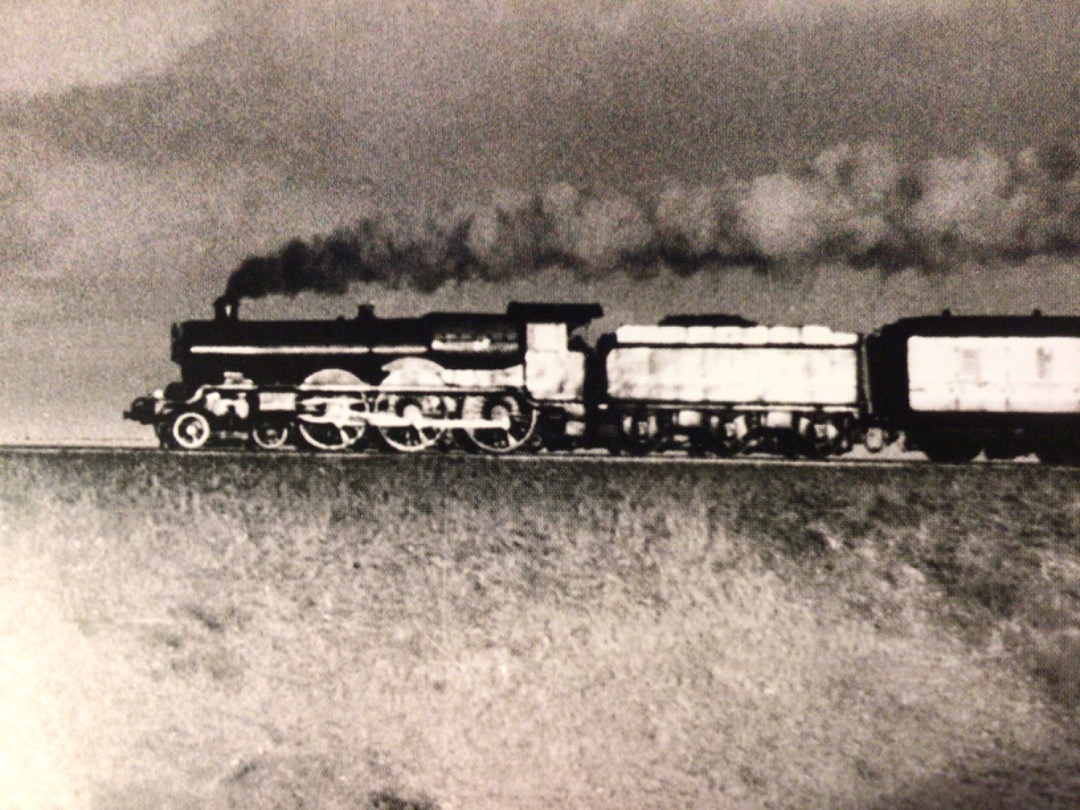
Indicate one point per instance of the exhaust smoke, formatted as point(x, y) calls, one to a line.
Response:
point(862, 204)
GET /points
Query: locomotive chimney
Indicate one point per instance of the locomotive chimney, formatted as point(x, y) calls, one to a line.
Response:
point(226, 309)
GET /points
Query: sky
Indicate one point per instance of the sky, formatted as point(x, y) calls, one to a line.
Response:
point(148, 149)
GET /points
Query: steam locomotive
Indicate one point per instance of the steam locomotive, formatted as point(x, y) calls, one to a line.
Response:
point(719, 385)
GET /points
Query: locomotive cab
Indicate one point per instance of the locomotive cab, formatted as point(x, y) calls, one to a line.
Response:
point(555, 366)
point(552, 371)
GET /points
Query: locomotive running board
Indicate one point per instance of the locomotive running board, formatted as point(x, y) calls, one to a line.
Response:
point(389, 420)
point(405, 390)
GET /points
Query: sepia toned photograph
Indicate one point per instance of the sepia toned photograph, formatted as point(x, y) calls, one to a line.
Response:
point(536, 404)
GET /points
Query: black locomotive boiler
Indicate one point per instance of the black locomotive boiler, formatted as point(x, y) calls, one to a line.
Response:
point(495, 379)
point(949, 386)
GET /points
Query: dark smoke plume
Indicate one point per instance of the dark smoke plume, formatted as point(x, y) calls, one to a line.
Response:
point(863, 205)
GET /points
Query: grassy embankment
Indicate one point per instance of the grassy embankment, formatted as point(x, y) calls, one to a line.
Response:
point(199, 632)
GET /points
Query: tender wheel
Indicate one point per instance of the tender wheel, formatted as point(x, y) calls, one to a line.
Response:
point(519, 417)
point(189, 430)
point(824, 439)
point(414, 408)
point(950, 448)
point(816, 450)
point(270, 435)
point(640, 433)
point(722, 436)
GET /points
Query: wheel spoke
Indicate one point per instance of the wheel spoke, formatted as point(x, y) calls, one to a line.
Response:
point(329, 437)
point(189, 430)
point(332, 421)
point(270, 435)
point(414, 408)
point(519, 417)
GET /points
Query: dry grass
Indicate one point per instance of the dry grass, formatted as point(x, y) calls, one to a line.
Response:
point(399, 633)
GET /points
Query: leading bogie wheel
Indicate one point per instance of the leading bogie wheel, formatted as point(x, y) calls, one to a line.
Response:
point(189, 430)
point(414, 409)
point(517, 422)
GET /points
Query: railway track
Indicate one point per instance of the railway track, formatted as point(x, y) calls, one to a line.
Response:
point(579, 457)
